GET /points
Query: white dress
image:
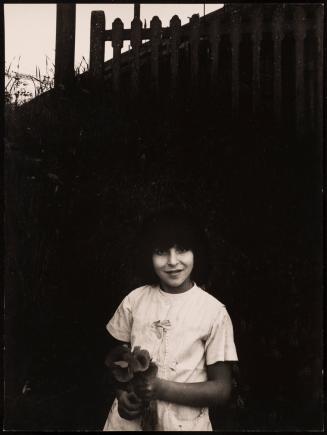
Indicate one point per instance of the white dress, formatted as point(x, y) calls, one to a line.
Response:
point(183, 333)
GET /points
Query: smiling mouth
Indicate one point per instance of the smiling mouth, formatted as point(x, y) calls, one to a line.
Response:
point(174, 272)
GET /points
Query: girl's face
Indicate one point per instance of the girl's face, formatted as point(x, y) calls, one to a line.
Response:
point(173, 267)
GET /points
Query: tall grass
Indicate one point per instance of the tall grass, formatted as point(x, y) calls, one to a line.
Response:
point(20, 87)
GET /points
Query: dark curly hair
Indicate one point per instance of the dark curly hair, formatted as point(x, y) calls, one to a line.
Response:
point(172, 227)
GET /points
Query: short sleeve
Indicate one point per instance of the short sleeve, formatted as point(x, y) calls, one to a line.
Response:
point(219, 345)
point(120, 324)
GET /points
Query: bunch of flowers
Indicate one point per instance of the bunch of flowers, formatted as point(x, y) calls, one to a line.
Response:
point(130, 369)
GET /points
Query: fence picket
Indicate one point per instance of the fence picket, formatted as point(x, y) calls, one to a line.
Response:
point(136, 40)
point(175, 28)
point(319, 34)
point(155, 27)
point(65, 44)
point(256, 50)
point(278, 35)
point(117, 44)
point(194, 44)
point(97, 41)
point(300, 30)
point(214, 36)
point(235, 43)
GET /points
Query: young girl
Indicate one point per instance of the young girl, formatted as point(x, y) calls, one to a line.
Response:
point(187, 332)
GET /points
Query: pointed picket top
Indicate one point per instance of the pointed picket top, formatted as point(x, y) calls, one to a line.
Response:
point(136, 27)
point(195, 23)
point(136, 41)
point(175, 31)
point(175, 23)
point(195, 28)
point(194, 41)
point(175, 37)
point(155, 38)
point(156, 27)
point(117, 33)
point(117, 44)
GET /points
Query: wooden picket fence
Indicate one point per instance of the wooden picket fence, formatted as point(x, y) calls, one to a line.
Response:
point(232, 22)
point(283, 41)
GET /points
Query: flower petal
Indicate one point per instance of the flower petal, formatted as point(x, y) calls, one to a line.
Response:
point(122, 364)
point(152, 370)
point(141, 360)
point(119, 353)
point(122, 374)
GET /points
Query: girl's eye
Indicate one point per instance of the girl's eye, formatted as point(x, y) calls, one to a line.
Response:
point(181, 250)
point(159, 251)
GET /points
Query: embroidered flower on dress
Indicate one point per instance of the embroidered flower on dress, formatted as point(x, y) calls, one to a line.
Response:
point(159, 326)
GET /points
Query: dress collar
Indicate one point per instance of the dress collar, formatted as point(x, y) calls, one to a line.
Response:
point(176, 296)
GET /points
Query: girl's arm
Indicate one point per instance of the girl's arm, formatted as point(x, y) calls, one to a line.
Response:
point(215, 391)
point(112, 342)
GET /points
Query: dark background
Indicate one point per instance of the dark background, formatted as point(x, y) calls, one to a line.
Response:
point(82, 169)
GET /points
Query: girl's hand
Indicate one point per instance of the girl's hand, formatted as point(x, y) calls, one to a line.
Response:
point(129, 405)
point(148, 387)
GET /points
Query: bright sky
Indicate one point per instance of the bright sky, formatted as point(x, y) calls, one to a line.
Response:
point(30, 29)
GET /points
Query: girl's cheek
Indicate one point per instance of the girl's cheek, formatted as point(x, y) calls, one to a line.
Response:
point(157, 262)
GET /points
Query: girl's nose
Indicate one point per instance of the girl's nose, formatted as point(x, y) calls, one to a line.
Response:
point(172, 257)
